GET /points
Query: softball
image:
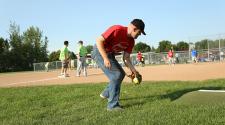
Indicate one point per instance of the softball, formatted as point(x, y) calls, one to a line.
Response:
point(135, 80)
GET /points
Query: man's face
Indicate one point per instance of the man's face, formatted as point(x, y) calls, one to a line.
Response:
point(135, 33)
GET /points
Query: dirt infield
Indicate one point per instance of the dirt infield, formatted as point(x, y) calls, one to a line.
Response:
point(181, 72)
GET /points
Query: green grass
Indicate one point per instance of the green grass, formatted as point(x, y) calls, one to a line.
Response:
point(202, 98)
point(152, 103)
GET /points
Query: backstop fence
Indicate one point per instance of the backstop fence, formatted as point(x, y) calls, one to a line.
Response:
point(209, 48)
point(150, 58)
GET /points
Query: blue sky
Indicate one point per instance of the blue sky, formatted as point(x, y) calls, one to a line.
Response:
point(74, 20)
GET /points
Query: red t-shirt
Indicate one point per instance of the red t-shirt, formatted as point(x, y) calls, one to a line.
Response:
point(139, 56)
point(116, 40)
point(170, 54)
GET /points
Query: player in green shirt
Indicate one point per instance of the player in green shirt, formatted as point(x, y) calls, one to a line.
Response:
point(64, 57)
point(81, 59)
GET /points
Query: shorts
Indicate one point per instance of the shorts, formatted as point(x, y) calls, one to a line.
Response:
point(194, 58)
point(170, 60)
point(65, 64)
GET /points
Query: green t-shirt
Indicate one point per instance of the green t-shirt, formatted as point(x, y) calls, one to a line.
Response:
point(64, 53)
point(82, 50)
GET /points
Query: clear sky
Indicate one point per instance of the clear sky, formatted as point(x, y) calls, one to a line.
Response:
point(74, 20)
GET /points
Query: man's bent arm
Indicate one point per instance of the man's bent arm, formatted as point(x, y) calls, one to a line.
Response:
point(127, 62)
point(102, 51)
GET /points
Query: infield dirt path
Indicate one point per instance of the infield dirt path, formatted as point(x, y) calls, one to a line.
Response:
point(181, 72)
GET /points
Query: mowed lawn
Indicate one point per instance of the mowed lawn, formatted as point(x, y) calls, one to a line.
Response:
point(152, 103)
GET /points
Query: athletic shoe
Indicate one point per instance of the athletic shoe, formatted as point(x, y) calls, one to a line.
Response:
point(62, 76)
point(103, 97)
point(117, 108)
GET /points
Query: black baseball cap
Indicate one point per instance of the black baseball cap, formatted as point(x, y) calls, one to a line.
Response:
point(66, 42)
point(81, 42)
point(139, 24)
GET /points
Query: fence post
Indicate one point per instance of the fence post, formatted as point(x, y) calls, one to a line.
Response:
point(56, 65)
point(219, 49)
point(34, 66)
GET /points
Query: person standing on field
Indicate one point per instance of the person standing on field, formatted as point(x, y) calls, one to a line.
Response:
point(194, 55)
point(64, 57)
point(170, 57)
point(81, 59)
point(114, 40)
point(140, 59)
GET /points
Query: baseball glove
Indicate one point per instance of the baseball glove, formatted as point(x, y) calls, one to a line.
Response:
point(136, 79)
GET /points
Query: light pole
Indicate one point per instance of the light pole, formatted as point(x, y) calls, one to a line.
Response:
point(219, 49)
point(208, 49)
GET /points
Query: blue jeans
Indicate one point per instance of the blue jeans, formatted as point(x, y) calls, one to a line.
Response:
point(115, 75)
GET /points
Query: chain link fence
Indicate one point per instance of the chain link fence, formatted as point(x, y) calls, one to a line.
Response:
point(209, 48)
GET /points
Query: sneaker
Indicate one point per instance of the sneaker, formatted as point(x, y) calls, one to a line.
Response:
point(62, 76)
point(117, 108)
point(103, 97)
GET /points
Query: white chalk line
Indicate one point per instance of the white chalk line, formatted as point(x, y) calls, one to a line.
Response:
point(211, 90)
point(33, 81)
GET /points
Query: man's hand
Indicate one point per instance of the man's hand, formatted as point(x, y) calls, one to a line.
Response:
point(102, 51)
point(132, 75)
point(107, 63)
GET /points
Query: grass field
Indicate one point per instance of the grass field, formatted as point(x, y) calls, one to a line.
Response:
point(152, 103)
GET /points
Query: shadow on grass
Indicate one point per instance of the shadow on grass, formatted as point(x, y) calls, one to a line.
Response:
point(177, 94)
point(141, 100)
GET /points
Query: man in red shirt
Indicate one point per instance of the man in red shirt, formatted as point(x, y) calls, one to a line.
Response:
point(140, 59)
point(139, 56)
point(114, 40)
point(170, 57)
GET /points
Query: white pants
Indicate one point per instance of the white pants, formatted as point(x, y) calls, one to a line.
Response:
point(81, 64)
point(170, 60)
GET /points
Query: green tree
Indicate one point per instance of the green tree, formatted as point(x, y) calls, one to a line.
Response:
point(89, 48)
point(203, 44)
point(4, 45)
point(44, 49)
point(54, 56)
point(143, 47)
point(182, 46)
point(4, 54)
point(35, 47)
point(17, 59)
point(164, 46)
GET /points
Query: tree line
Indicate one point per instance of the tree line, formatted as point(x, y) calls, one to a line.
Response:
point(20, 51)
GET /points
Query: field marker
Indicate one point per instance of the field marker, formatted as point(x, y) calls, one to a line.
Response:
point(211, 90)
point(41, 80)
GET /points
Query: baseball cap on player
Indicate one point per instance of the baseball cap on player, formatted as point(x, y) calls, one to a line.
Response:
point(80, 42)
point(139, 24)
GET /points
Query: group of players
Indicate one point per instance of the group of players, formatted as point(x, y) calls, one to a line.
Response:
point(173, 59)
point(81, 54)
